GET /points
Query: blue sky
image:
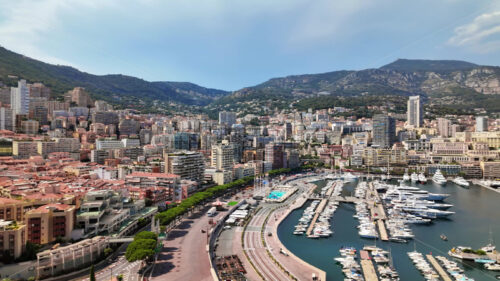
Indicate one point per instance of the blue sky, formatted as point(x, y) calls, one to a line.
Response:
point(232, 44)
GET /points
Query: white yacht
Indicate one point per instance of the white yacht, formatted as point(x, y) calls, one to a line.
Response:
point(414, 177)
point(406, 177)
point(492, 266)
point(460, 181)
point(349, 177)
point(421, 178)
point(439, 178)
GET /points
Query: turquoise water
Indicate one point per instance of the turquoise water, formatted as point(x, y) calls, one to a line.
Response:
point(476, 210)
point(276, 194)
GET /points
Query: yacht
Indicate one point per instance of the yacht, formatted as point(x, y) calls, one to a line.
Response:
point(439, 178)
point(421, 178)
point(406, 177)
point(349, 177)
point(414, 177)
point(461, 181)
point(492, 266)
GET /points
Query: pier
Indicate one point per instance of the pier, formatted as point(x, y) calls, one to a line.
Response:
point(367, 266)
point(438, 268)
point(382, 230)
point(317, 212)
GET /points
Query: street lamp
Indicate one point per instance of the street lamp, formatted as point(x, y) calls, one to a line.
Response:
point(110, 260)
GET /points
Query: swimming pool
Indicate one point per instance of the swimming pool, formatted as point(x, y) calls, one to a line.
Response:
point(276, 194)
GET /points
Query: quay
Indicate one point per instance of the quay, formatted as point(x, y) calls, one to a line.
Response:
point(438, 268)
point(367, 267)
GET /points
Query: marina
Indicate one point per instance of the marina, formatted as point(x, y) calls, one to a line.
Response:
point(438, 268)
point(462, 202)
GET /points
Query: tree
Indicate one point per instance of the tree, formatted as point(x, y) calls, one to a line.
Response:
point(108, 251)
point(146, 235)
point(92, 273)
point(140, 249)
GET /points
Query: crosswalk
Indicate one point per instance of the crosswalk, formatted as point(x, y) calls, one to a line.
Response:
point(124, 269)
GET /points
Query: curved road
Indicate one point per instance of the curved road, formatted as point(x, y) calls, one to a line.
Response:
point(254, 247)
point(256, 250)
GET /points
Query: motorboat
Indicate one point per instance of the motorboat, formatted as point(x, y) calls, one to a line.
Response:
point(492, 266)
point(438, 178)
point(414, 177)
point(460, 181)
point(349, 177)
point(406, 177)
point(421, 178)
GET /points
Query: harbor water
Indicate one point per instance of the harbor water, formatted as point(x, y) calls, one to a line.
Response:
point(476, 221)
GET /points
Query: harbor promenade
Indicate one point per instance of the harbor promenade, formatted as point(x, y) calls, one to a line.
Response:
point(299, 268)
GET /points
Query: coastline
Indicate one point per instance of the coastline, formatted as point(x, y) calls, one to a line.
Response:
point(321, 275)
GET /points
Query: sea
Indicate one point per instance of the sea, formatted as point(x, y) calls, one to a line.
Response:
point(476, 222)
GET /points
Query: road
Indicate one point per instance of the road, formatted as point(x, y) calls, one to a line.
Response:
point(184, 255)
point(129, 270)
point(256, 250)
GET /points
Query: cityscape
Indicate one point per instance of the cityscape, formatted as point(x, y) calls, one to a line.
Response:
point(388, 173)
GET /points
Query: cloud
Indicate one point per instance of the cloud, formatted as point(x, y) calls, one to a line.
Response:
point(26, 25)
point(320, 20)
point(481, 35)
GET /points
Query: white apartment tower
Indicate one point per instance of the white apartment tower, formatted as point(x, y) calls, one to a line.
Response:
point(20, 98)
point(222, 156)
point(481, 124)
point(415, 113)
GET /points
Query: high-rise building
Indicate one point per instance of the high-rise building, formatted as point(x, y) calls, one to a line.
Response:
point(129, 127)
point(223, 156)
point(38, 90)
point(186, 164)
point(275, 155)
point(288, 130)
point(6, 119)
point(415, 113)
point(5, 95)
point(20, 99)
point(105, 117)
point(481, 124)
point(227, 118)
point(384, 130)
point(79, 96)
point(30, 127)
point(443, 127)
point(40, 113)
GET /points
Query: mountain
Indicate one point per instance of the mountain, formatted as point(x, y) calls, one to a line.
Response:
point(429, 65)
point(466, 84)
point(116, 88)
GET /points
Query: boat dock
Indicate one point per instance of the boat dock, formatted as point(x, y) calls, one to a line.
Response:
point(382, 230)
point(367, 266)
point(317, 212)
point(438, 268)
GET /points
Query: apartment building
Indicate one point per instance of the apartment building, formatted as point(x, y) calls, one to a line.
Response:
point(187, 164)
point(12, 239)
point(49, 222)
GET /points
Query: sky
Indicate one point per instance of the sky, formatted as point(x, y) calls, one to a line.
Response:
point(231, 44)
